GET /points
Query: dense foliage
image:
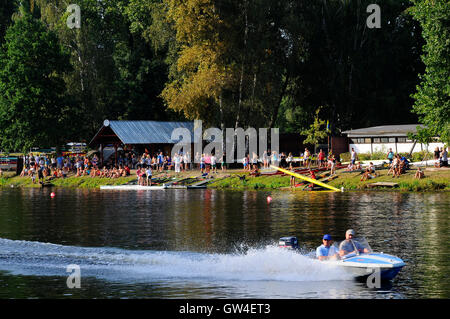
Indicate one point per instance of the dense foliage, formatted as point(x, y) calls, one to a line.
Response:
point(230, 63)
point(432, 99)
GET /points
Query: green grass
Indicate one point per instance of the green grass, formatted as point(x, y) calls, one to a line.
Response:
point(71, 182)
point(251, 182)
point(433, 181)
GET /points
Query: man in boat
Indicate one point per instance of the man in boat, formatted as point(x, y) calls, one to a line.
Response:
point(326, 251)
point(349, 245)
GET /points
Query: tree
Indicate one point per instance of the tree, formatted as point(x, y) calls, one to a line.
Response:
point(197, 84)
point(315, 133)
point(33, 108)
point(117, 74)
point(234, 59)
point(7, 8)
point(432, 99)
point(361, 76)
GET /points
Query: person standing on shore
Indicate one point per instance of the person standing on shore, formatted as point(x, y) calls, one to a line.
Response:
point(306, 157)
point(444, 158)
point(321, 159)
point(354, 156)
point(213, 164)
point(148, 174)
point(223, 163)
point(390, 156)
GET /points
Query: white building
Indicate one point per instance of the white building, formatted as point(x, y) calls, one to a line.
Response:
point(382, 138)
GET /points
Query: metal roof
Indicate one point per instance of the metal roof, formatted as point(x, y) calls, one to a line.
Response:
point(385, 130)
point(146, 132)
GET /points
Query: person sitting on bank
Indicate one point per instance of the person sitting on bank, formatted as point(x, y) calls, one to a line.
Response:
point(255, 171)
point(372, 169)
point(419, 174)
point(366, 175)
point(326, 251)
point(349, 245)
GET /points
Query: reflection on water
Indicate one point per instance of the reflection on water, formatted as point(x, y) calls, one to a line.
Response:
point(209, 243)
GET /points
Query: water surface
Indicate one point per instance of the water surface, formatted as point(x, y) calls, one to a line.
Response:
point(214, 244)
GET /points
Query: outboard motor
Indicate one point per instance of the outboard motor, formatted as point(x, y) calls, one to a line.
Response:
point(288, 242)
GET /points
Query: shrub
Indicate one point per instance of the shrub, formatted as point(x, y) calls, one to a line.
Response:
point(419, 156)
point(345, 157)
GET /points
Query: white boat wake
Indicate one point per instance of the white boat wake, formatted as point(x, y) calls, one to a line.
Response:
point(120, 265)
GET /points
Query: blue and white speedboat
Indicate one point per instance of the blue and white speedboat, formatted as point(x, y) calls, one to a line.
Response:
point(360, 263)
point(364, 261)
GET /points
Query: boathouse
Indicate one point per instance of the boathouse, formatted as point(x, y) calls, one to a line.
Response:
point(151, 136)
point(382, 138)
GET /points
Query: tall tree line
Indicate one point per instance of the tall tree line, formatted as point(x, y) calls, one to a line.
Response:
point(230, 63)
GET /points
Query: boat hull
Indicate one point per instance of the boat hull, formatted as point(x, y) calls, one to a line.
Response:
point(364, 265)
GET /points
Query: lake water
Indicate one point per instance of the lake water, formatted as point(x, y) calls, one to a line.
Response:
point(214, 244)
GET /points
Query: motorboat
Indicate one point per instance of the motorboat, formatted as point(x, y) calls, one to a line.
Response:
point(289, 242)
point(363, 261)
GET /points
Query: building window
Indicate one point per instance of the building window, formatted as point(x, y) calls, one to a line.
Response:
point(401, 139)
point(384, 140)
point(357, 140)
point(391, 139)
point(376, 140)
point(367, 140)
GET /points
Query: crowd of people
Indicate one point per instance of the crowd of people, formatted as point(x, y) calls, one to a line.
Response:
point(42, 166)
point(441, 157)
point(305, 159)
point(39, 167)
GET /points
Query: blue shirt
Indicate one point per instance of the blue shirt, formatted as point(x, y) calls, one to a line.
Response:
point(323, 251)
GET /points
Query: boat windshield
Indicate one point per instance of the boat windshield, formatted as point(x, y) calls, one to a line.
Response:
point(354, 246)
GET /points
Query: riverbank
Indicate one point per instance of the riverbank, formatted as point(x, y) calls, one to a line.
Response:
point(435, 180)
point(237, 179)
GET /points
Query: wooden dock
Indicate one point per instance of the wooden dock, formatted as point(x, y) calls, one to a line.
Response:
point(383, 184)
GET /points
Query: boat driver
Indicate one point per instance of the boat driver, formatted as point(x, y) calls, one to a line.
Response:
point(349, 245)
point(326, 251)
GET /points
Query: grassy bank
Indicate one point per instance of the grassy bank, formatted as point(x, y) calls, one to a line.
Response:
point(72, 181)
point(251, 182)
point(435, 180)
